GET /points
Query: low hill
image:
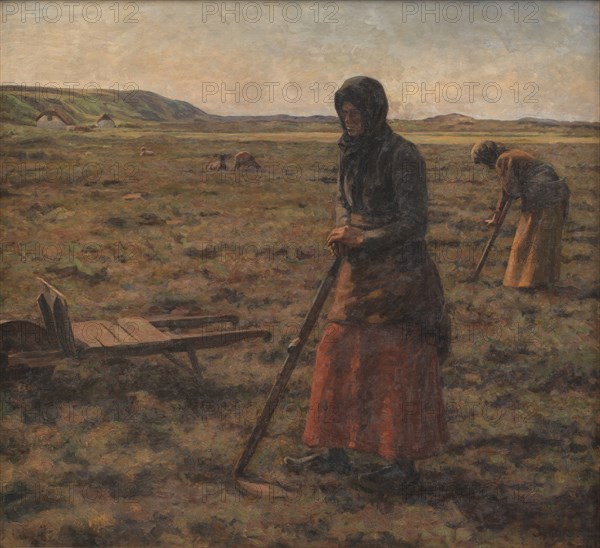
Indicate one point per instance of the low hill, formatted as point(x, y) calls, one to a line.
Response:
point(317, 118)
point(454, 118)
point(539, 121)
point(20, 105)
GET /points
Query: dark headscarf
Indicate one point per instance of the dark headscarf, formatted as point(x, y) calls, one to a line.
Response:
point(368, 96)
point(487, 152)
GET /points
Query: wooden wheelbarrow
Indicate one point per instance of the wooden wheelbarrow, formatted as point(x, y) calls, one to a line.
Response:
point(37, 345)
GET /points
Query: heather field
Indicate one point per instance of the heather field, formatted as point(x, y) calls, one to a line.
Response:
point(135, 451)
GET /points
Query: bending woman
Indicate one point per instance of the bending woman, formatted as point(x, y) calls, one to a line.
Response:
point(534, 260)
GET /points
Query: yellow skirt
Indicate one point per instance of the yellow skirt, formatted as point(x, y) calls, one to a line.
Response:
point(535, 254)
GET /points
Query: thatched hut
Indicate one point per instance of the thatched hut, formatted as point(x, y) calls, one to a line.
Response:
point(105, 121)
point(53, 119)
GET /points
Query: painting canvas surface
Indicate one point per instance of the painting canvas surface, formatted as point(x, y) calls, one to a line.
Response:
point(170, 180)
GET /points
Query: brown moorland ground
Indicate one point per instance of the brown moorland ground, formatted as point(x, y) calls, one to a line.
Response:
point(135, 452)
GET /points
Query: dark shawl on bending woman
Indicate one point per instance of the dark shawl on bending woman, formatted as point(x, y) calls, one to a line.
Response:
point(390, 279)
point(523, 176)
point(487, 152)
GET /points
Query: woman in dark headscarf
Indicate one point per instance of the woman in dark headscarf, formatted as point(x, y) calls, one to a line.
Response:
point(535, 255)
point(376, 387)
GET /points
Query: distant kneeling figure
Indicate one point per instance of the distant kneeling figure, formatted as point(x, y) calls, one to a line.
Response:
point(219, 164)
point(535, 255)
point(245, 159)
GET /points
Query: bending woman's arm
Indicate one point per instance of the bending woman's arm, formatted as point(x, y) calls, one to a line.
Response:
point(509, 179)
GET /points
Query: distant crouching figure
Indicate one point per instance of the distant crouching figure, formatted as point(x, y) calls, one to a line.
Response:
point(218, 164)
point(245, 159)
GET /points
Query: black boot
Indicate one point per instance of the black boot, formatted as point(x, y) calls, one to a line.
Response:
point(332, 460)
point(397, 477)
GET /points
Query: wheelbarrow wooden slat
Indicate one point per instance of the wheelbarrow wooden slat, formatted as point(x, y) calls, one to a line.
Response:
point(177, 343)
point(99, 333)
point(119, 333)
point(41, 358)
point(129, 336)
point(142, 330)
point(185, 322)
point(27, 342)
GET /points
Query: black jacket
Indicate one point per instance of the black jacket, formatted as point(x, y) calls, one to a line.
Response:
point(382, 190)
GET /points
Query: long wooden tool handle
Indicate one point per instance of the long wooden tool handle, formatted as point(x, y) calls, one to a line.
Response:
point(294, 350)
point(491, 241)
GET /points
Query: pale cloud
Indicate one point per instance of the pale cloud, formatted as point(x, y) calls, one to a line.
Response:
point(171, 50)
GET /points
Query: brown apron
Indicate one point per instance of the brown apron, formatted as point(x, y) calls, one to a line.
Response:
point(391, 286)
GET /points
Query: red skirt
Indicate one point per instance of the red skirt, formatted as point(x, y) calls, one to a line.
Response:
point(377, 389)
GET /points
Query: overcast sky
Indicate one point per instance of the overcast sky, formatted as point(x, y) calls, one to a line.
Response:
point(484, 59)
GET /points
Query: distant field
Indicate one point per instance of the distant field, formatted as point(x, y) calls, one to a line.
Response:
point(418, 138)
point(133, 452)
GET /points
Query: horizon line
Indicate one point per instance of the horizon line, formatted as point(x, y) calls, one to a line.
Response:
point(25, 88)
